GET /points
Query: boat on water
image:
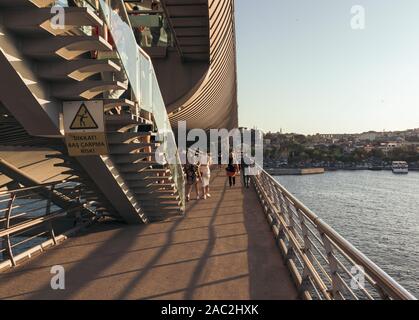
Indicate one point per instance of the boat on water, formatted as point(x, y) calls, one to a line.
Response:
point(400, 167)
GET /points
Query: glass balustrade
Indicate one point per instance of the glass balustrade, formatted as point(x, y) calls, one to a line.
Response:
point(123, 20)
point(141, 75)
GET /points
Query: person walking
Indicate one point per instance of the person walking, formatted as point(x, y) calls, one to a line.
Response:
point(138, 31)
point(193, 178)
point(205, 174)
point(156, 30)
point(232, 170)
point(245, 171)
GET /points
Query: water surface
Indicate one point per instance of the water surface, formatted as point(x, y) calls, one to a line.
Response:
point(378, 212)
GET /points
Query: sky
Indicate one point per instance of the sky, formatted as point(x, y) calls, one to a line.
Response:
point(303, 68)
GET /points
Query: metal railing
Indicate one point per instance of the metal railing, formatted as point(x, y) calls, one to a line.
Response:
point(323, 264)
point(34, 216)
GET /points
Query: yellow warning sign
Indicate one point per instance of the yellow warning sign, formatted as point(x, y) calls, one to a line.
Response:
point(84, 128)
point(86, 144)
point(83, 120)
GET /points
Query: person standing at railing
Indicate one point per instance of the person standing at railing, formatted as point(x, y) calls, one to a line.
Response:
point(138, 31)
point(168, 32)
point(156, 31)
point(245, 170)
point(232, 169)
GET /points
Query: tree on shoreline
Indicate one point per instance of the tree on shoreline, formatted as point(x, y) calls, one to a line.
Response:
point(300, 152)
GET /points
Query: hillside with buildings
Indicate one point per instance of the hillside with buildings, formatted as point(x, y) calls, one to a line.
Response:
point(341, 151)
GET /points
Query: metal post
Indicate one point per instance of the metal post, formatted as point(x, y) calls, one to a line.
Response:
point(277, 199)
point(48, 212)
point(307, 244)
point(6, 241)
point(291, 228)
point(78, 213)
point(333, 265)
point(281, 200)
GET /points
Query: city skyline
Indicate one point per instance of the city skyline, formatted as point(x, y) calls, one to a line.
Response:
point(306, 70)
point(342, 133)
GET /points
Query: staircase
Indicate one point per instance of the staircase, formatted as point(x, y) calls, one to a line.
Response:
point(134, 155)
point(56, 65)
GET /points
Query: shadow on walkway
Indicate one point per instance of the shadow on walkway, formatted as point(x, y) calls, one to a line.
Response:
point(222, 249)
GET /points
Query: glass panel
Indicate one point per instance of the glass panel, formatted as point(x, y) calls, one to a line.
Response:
point(167, 138)
point(145, 84)
point(124, 40)
point(143, 80)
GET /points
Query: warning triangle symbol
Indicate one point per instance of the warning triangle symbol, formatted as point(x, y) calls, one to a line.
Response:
point(83, 120)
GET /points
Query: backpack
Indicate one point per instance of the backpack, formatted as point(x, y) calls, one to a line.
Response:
point(231, 168)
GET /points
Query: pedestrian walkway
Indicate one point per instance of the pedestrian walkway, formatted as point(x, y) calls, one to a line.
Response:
point(222, 249)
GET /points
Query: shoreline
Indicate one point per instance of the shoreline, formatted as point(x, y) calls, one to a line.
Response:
point(315, 171)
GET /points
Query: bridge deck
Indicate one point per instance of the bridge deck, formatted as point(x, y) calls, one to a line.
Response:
point(223, 249)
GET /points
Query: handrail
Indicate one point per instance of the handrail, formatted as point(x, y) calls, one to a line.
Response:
point(35, 222)
point(21, 217)
point(42, 185)
point(281, 206)
point(172, 29)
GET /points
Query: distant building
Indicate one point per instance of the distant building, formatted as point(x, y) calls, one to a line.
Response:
point(370, 136)
point(368, 148)
point(386, 147)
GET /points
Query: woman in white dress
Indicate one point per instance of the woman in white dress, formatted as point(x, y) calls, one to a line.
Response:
point(205, 174)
